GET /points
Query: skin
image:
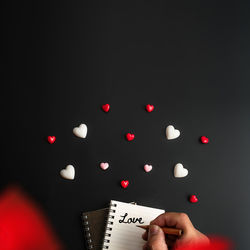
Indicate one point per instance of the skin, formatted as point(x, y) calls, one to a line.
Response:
point(157, 240)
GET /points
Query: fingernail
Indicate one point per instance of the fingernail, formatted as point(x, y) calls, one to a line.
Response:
point(153, 229)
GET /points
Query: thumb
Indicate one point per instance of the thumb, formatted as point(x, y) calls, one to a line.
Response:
point(156, 239)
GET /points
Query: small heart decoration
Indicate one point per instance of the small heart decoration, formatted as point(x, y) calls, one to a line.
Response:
point(172, 133)
point(51, 139)
point(204, 140)
point(148, 168)
point(149, 107)
point(68, 172)
point(193, 199)
point(130, 137)
point(124, 183)
point(104, 165)
point(180, 171)
point(105, 107)
point(81, 131)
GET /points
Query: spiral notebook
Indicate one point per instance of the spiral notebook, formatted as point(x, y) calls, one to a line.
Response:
point(94, 224)
point(121, 231)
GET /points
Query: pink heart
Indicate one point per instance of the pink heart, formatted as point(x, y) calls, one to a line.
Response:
point(104, 165)
point(147, 168)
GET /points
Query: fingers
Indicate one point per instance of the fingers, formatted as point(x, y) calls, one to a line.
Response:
point(156, 239)
point(169, 238)
point(178, 220)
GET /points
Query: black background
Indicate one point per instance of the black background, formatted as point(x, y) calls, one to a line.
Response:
point(63, 59)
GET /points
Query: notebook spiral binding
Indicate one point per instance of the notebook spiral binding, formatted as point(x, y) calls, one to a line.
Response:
point(110, 222)
point(86, 232)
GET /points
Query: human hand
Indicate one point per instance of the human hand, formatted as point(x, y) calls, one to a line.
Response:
point(157, 240)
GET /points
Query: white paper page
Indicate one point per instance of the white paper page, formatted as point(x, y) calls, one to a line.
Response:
point(127, 236)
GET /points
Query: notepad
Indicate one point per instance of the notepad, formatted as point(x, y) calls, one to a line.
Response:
point(121, 231)
point(94, 224)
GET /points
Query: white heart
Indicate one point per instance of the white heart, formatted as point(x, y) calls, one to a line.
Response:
point(68, 172)
point(172, 133)
point(81, 131)
point(180, 171)
point(104, 165)
point(147, 168)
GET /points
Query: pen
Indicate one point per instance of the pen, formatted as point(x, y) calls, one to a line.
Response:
point(166, 230)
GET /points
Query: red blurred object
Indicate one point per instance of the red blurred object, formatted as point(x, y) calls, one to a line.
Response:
point(149, 108)
point(124, 183)
point(51, 139)
point(216, 243)
point(204, 140)
point(193, 199)
point(130, 137)
point(106, 107)
point(22, 224)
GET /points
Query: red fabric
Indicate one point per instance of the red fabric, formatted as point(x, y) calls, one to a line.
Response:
point(22, 225)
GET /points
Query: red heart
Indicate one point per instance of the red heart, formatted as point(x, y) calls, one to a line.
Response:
point(193, 199)
point(130, 137)
point(124, 184)
point(150, 107)
point(106, 107)
point(51, 139)
point(204, 140)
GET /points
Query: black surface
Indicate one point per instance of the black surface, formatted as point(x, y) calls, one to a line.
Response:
point(63, 59)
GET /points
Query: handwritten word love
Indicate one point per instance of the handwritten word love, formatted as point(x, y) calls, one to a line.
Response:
point(130, 220)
